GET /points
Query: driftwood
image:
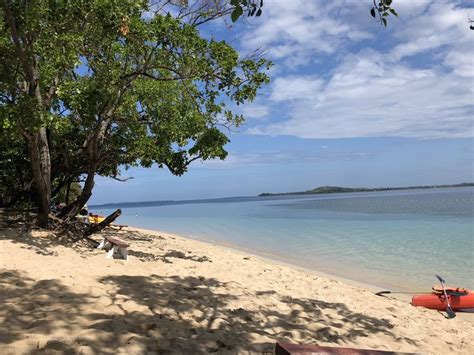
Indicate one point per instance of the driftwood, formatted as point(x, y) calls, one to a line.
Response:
point(97, 227)
point(77, 229)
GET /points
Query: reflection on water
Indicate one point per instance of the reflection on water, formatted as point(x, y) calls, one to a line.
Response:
point(391, 239)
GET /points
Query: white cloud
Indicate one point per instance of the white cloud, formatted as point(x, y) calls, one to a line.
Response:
point(442, 24)
point(461, 61)
point(239, 159)
point(255, 111)
point(294, 31)
point(368, 96)
point(418, 83)
point(295, 87)
point(411, 8)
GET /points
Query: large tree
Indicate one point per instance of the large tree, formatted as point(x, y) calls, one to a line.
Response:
point(87, 87)
point(94, 85)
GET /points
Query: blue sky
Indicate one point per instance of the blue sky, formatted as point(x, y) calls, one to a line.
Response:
point(350, 104)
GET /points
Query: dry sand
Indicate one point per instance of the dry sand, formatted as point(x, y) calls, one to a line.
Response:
point(184, 296)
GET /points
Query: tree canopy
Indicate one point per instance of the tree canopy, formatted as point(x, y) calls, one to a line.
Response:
point(87, 87)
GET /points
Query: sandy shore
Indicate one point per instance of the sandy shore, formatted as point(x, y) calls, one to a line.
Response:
point(185, 296)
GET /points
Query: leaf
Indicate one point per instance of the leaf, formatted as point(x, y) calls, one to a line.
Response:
point(372, 12)
point(259, 12)
point(384, 21)
point(394, 13)
point(236, 13)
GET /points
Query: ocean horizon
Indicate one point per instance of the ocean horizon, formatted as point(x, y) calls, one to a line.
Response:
point(390, 239)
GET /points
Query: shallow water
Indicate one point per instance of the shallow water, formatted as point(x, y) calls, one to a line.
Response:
point(396, 239)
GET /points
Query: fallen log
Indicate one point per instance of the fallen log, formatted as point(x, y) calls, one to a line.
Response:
point(97, 227)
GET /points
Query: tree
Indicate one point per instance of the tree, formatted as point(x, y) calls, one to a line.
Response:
point(70, 191)
point(92, 86)
point(15, 176)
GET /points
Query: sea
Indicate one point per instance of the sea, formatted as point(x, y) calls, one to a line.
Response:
point(397, 240)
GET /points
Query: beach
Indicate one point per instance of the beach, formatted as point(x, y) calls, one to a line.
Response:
point(186, 296)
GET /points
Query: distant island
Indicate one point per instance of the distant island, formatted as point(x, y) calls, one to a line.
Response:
point(338, 189)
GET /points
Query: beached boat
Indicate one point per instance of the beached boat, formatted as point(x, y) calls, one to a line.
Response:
point(95, 218)
point(462, 301)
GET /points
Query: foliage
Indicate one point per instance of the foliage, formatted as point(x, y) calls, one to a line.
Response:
point(381, 10)
point(75, 190)
point(251, 7)
point(15, 176)
point(93, 86)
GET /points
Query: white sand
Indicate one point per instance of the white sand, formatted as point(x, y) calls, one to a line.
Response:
point(185, 296)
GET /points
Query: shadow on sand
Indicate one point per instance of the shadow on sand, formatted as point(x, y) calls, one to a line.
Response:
point(166, 314)
point(29, 307)
point(161, 314)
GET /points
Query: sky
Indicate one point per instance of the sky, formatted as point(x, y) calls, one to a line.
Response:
point(350, 103)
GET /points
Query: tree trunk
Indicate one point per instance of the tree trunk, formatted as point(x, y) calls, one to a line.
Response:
point(74, 208)
point(38, 151)
point(94, 228)
point(68, 190)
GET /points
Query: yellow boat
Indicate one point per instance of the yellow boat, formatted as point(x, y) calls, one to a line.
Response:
point(95, 218)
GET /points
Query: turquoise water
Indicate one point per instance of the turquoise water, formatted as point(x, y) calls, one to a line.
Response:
point(396, 239)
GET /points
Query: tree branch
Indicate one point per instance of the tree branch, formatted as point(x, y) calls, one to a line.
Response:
point(122, 179)
point(16, 39)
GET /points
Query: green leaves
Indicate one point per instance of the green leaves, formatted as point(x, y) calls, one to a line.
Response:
point(118, 90)
point(238, 11)
point(382, 10)
point(252, 7)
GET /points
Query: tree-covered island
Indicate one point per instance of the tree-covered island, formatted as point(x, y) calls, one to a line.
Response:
point(338, 189)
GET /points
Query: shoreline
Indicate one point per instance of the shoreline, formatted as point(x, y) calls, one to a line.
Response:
point(380, 249)
point(316, 268)
point(177, 294)
point(268, 257)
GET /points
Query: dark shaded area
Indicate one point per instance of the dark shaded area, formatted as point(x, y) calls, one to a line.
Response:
point(178, 315)
point(167, 257)
point(42, 245)
point(40, 307)
point(18, 227)
point(142, 239)
point(217, 327)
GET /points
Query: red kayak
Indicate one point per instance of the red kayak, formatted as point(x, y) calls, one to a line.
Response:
point(437, 300)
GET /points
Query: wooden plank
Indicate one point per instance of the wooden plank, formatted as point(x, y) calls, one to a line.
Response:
point(118, 242)
point(295, 349)
point(119, 226)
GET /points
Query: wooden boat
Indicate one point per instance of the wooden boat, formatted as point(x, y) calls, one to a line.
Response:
point(459, 298)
